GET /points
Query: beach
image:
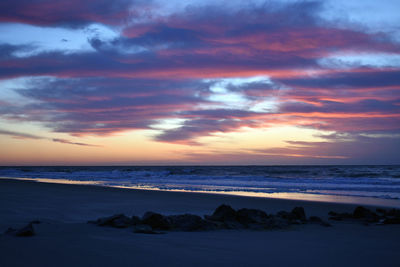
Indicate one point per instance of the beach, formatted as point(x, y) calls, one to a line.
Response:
point(64, 238)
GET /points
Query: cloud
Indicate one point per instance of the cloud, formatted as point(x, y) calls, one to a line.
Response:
point(342, 147)
point(167, 67)
point(19, 135)
point(212, 37)
point(71, 13)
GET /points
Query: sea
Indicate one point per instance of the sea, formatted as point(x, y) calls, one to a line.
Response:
point(368, 184)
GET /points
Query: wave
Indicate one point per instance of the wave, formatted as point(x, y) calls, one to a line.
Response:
point(376, 181)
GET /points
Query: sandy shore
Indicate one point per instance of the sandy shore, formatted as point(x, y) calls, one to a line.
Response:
point(65, 239)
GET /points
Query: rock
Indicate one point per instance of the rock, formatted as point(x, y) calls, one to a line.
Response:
point(284, 215)
point(117, 221)
point(296, 216)
point(10, 231)
point(276, 222)
point(135, 220)
point(231, 224)
point(392, 220)
point(223, 213)
point(393, 212)
point(299, 213)
point(25, 231)
point(144, 229)
point(251, 216)
point(332, 213)
point(339, 216)
point(156, 221)
point(364, 213)
point(360, 212)
point(318, 220)
point(381, 211)
point(190, 222)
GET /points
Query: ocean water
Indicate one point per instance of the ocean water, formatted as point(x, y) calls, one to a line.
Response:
point(305, 182)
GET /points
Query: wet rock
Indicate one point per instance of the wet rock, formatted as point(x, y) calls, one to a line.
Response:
point(190, 222)
point(381, 212)
point(391, 220)
point(276, 222)
point(25, 231)
point(365, 214)
point(361, 212)
point(144, 229)
point(283, 214)
point(393, 213)
point(251, 216)
point(10, 231)
point(298, 213)
point(318, 220)
point(222, 214)
point(296, 216)
point(135, 220)
point(117, 221)
point(233, 225)
point(340, 216)
point(156, 221)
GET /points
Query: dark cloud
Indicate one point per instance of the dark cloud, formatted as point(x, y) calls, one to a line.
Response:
point(208, 42)
point(343, 149)
point(72, 13)
point(102, 106)
point(348, 79)
point(331, 107)
point(20, 135)
point(200, 127)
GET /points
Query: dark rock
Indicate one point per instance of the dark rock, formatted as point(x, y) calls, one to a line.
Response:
point(276, 222)
point(25, 231)
point(234, 225)
point(315, 219)
point(135, 220)
point(364, 213)
point(393, 212)
point(296, 216)
point(284, 214)
point(299, 213)
point(391, 220)
point(340, 216)
point(190, 222)
point(144, 229)
point(251, 216)
point(360, 212)
point(117, 221)
point(318, 220)
point(381, 211)
point(156, 221)
point(10, 231)
point(223, 213)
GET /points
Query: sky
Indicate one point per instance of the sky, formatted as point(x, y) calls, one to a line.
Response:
point(132, 82)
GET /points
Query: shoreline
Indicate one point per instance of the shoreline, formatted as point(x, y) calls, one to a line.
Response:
point(64, 238)
point(313, 197)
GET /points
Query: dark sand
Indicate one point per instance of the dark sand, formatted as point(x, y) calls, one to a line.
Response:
point(65, 239)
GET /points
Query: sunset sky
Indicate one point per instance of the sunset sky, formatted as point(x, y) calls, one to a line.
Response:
point(99, 82)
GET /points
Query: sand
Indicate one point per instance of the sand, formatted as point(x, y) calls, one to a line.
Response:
point(65, 239)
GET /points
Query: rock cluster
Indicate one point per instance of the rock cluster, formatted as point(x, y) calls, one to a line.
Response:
point(224, 217)
point(25, 231)
point(367, 216)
